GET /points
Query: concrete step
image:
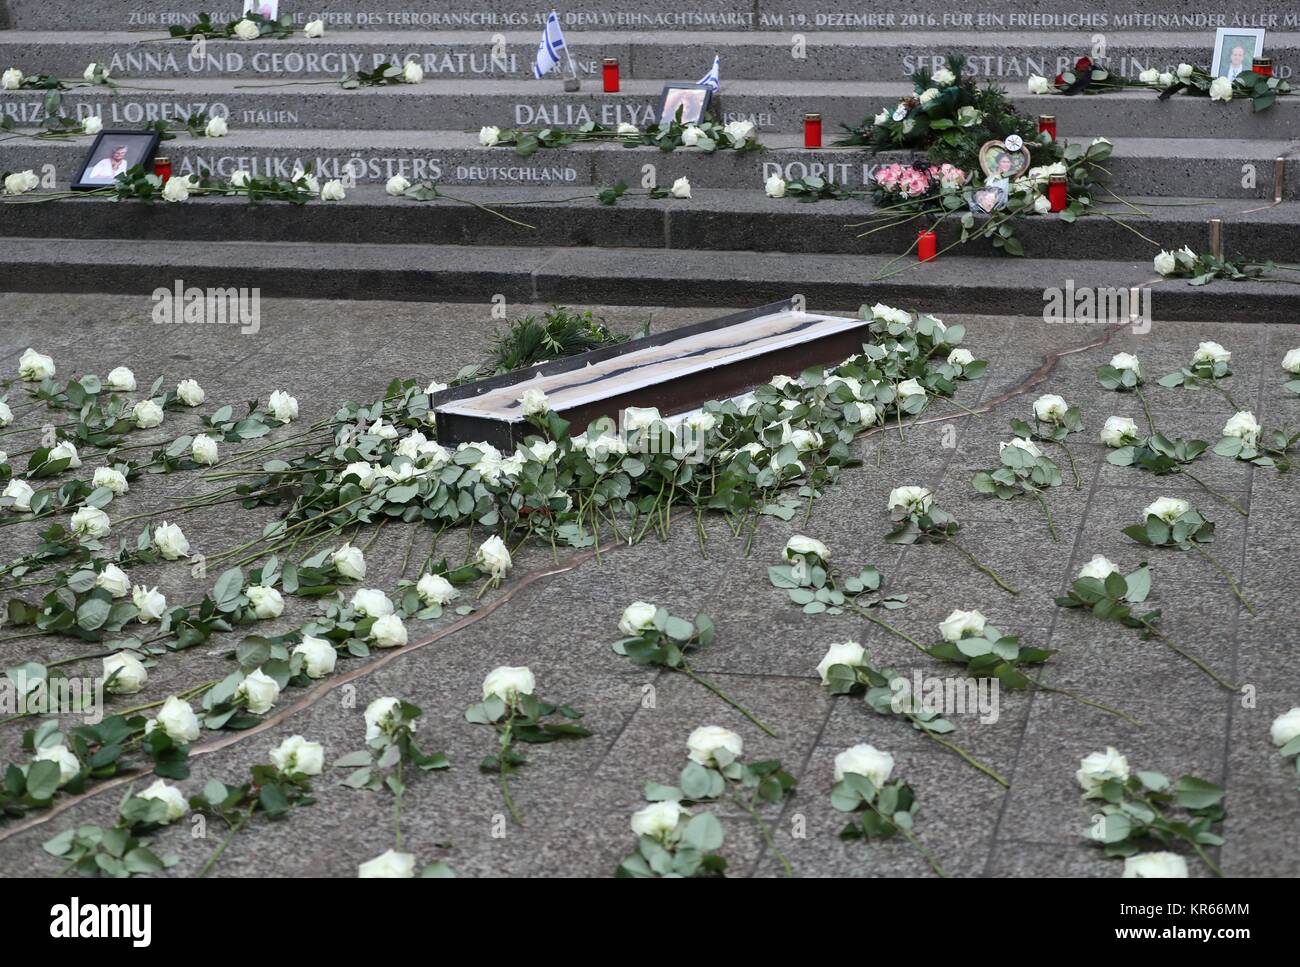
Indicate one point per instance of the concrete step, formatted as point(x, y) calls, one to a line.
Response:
point(823, 56)
point(449, 104)
point(1210, 168)
point(627, 276)
point(1193, 16)
point(712, 220)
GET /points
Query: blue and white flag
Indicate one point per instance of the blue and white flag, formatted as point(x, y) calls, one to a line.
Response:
point(711, 79)
point(548, 51)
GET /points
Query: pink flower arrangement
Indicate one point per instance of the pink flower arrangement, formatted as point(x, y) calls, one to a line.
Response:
point(909, 181)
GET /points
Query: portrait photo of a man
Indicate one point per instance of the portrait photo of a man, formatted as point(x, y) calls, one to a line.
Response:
point(691, 99)
point(1235, 48)
point(114, 153)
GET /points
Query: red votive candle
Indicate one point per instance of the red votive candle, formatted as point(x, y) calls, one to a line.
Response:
point(1047, 122)
point(611, 75)
point(1056, 193)
point(927, 245)
point(162, 167)
point(1262, 65)
point(812, 130)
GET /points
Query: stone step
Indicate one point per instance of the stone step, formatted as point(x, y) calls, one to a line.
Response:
point(424, 273)
point(823, 56)
point(1211, 168)
point(773, 105)
point(712, 220)
point(1192, 16)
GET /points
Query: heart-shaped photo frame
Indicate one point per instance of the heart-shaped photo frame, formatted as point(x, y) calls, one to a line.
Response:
point(1004, 159)
point(990, 198)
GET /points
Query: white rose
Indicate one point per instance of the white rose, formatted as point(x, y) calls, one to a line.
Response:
point(259, 691)
point(691, 135)
point(1119, 431)
point(66, 451)
point(396, 186)
point(364, 472)
point(150, 602)
point(775, 187)
point(658, 820)
point(495, 556)
point(534, 402)
point(1164, 263)
point(1221, 89)
point(130, 672)
point(882, 118)
point(1100, 567)
point(1166, 79)
point(121, 379)
point(6, 414)
point(1168, 509)
point(21, 493)
point(799, 545)
point(21, 182)
point(114, 480)
point(147, 414)
point(1242, 425)
point(1291, 361)
point(1285, 728)
point(11, 79)
point(371, 603)
point(1184, 71)
point(910, 498)
point(68, 763)
point(390, 865)
point(637, 617)
point(960, 357)
point(388, 632)
point(1153, 866)
point(34, 366)
point(350, 562)
point(909, 387)
point(170, 541)
point(1042, 205)
point(841, 653)
point(865, 760)
point(217, 128)
point(170, 796)
point(640, 417)
point(681, 188)
point(928, 95)
point(435, 589)
point(1123, 361)
point(177, 189)
point(318, 656)
point(332, 190)
point(1149, 76)
point(238, 179)
point(412, 73)
point(247, 30)
point(1049, 408)
point(864, 412)
point(1021, 443)
point(1037, 85)
point(508, 682)
point(295, 756)
point(190, 392)
point(314, 28)
point(944, 77)
point(1097, 767)
point(177, 719)
point(627, 129)
point(91, 522)
point(113, 580)
point(282, 406)
point(957, 625)
point(489, 135)
point(713, 745)
point(739, 131)
point(267, 602)
point(1211, 352)
point(380, 716)
point(203, 450)
point(308, 182)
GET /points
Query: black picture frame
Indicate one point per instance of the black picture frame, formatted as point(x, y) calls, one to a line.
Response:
point(141, 147)
point(668, 91)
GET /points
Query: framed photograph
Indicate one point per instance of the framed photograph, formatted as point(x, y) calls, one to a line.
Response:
point(1234, 49)
point(691, 99)
point(991, 197)
point(114, 153)
point(1004, 159)
point(270, 9)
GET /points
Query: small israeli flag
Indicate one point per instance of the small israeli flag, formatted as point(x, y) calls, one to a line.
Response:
point(711, 79)
point(548, 51)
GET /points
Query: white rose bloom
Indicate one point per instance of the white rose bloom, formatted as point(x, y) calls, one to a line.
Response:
point(396, 186)
point(700, 423)
point(739, 131)
point(177, 719)
point(131, 673)
point(626, 129)
point(11, 79)
point(909, 387)
point(1243, 425)
point(959, 624)
point(282, 406)
point(121, 380)
point(91, 522)
point(508, 682)
point(1155, 866)
point(68, 763)
point(309, 182)
point(150, 602)
point(1037, 85)
point(960, 357)
point(147, 414)
point(1166, 79)
point(314, 28)
point(534, 402)
point(371, 603)
point(247, 30)
point(21, 493)
point(113, 580)
point(1149, 76)
point(1184, 71)
point(944, 77)
point(637, 617)
point(495, 556)
point(1168, 509)
point(882, 118)
point(34, 367)
point(388, 632)
point(804, 440)
point(267, 602)
point(488, 135)
point(318, 656)
point(170, 796)
point(332, 190)
point(350, 562)
point(711, 745)
point(865, 760)
point(170, 541)
point(21, 182)
point(217, 128)
point(66, 450)
point(774, 187)
point(1221, 89)
point(1164, 263)
point(240, 178)
point(4, 457)
point(412, 73)
point(1100, 567)
point(1042, 205)
point(910, 498)
point(681, 188)
point(435, 589)
point(295, 756)
point(1126, 361)
point(658, 820)
point(1211, 352)
point(1097, 767)
point(190, 392)
point(864, 413)
point(390, 865)
point(1021, 443)
point(1049, 408)
point(259, 691)
point(112, 479)
point(1119, 431)
point(639, 417)
point(799, 545)
point(1285, 728)
point(928, 95)
point(177, 189)
point(6, 414)
point(364, 472)
point(380, 716)
point(691, 135)
point(1291, 361)
point(203, 450)
point(841, 653)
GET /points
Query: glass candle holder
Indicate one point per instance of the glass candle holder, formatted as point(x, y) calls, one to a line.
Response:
point(927, 245)
point(1056, 192)
point(162, 167)
point(812, 130)
point(1262, 65)
point(610, 74)
point(1047, 122)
